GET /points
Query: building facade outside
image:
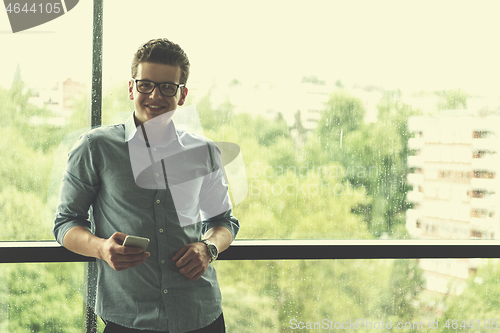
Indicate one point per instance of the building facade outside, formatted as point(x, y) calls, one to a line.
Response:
point(455, 175)
point(59, 98)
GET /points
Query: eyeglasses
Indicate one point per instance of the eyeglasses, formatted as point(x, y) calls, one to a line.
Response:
point(167, 89)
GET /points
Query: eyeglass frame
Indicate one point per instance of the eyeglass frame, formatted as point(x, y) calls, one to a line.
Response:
point(157, 84)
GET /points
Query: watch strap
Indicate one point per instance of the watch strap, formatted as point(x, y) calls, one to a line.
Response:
point(209, 245)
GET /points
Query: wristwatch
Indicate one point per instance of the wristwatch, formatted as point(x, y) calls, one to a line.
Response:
point(212, 249)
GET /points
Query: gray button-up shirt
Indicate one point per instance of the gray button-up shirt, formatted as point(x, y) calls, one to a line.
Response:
point(104, 190)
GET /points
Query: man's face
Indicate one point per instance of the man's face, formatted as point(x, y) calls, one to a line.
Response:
point(148, 106)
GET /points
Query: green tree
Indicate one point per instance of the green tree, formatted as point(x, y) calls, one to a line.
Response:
point(343, 114)
point(313, 79)
point(479, 301)
point(212, 119)
point(391, 144)
point(452, 99)
point(31, 294)
point(32, 121)
point(373, 156)
point(400, 302)
point(36, 293)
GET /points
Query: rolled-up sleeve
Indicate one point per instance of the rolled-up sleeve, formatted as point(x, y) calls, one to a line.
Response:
point(226, 220)
point(214, 198)
point(79, 187)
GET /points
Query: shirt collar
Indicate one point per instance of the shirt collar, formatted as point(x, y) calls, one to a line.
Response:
point(131, 131)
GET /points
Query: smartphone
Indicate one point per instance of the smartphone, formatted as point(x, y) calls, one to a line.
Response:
point(136, 241)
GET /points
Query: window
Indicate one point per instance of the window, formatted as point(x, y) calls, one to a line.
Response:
point(343, 175)
point(46, 75)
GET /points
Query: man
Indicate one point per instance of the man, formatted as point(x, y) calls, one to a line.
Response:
point(178, 195)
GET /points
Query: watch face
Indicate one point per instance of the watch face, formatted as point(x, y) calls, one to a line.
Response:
point(213, 250)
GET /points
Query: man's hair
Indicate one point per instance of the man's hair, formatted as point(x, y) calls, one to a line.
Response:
point(162, 51)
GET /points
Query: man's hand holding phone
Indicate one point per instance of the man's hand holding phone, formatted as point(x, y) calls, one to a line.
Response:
point(122, 253)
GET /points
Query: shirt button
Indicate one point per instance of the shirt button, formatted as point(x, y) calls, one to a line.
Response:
point(158, 201)
point(165, 291)
point(161, 231)
point(163, 261)
point(154, 149)
point(157, 175)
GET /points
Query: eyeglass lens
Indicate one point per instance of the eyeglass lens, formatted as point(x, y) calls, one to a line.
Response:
point(146, 87)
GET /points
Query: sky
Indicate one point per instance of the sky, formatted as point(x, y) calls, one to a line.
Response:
point(411, 45)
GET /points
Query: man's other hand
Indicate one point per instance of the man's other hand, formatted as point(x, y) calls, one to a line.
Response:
point(121, 257)
point(192, 260)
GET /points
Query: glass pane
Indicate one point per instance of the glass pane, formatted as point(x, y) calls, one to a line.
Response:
point(368, 295)
point(341, 110)
point(45, 78)
point(42, 298)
